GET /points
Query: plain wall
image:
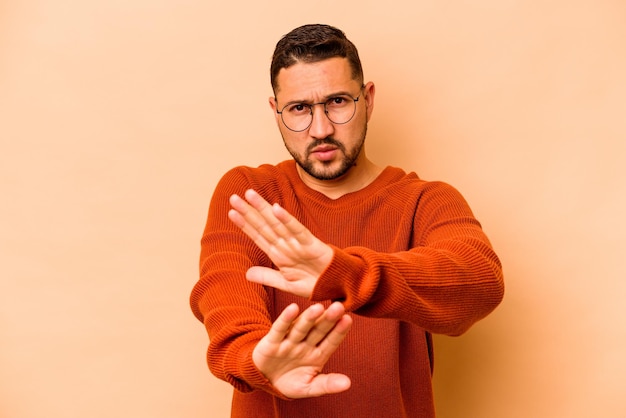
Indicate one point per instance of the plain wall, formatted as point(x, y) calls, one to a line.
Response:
point(118, 118)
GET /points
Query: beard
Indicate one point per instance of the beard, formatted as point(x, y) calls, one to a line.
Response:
point(323, 170)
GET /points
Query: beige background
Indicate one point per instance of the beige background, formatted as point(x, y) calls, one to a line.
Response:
point(117, 118)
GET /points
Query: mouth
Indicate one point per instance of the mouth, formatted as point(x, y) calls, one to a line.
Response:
point(324, 152)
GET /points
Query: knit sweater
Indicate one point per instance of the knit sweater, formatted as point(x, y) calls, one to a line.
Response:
point(410, 259)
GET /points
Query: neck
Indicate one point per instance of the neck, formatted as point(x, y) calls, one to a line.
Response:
point(362, 173)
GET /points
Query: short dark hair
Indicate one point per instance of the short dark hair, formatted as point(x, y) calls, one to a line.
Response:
point(313, 43)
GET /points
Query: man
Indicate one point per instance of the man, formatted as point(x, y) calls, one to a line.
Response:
point(322, 278)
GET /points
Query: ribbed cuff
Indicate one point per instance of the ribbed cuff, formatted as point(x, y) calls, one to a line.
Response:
point(252, 377)
point(342, 281)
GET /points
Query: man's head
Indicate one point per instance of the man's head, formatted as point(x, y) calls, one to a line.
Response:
point(320, 102)
point(313, 43)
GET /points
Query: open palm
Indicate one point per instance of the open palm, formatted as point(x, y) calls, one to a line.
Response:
point(299, 256)
point(294, 352)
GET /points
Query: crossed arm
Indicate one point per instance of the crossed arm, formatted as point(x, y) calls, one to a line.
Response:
point(446, 285)
point(293, 353)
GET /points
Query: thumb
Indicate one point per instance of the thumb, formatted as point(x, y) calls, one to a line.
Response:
point(325, 384)
point(266, 276)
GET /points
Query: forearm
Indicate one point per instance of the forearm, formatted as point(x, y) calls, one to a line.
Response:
point(443, 289)
point(235, 321)
point(233, 310)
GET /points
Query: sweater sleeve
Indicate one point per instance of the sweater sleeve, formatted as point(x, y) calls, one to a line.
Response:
point(234, 311)
point(449, 279)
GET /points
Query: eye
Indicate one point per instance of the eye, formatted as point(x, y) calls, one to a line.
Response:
point(338, 101)
point(298, 108)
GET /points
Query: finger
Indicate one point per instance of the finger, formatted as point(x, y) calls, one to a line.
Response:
point(234, 213)
point(248, 213)
point(256, 200)
point(262, 206)
point(326, 384)
point(250, 231)
point(276, 225)
point(239, 219)
point(304, 323)
point(266, 276)
point(326, 323)
point(259, 214)
point(335, 337)
point(240, 211)
point(251, 221)
point(283, 324)
point(291, 224)
point(284, 225)
point(239, 204)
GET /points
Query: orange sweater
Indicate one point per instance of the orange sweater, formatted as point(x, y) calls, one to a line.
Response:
point(410, 260)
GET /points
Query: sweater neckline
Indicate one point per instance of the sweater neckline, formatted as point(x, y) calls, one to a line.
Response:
point(383, 179)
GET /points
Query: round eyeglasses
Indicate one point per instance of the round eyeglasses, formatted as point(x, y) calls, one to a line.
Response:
point(339, 109)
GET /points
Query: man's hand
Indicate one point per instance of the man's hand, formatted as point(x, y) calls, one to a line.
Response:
point(301, 257)
point(296, 348)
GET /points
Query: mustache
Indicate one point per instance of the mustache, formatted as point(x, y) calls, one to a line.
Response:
point(324, 141)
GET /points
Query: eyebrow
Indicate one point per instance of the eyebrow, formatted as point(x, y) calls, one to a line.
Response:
point(325, 99)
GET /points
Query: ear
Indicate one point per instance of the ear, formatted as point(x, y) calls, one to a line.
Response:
point(273, 104)
point(369, 91)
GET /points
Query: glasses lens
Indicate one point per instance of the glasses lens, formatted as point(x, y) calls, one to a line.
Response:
point(297, 116)
point(340, 109)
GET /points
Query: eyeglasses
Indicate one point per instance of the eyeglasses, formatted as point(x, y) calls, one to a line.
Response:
point(339, 109)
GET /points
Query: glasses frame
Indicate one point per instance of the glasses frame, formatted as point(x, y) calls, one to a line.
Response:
point(311, 105)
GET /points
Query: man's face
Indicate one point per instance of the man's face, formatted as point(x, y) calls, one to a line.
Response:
point(325, 150)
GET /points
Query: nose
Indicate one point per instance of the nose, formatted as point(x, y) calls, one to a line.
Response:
point(321, 127)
